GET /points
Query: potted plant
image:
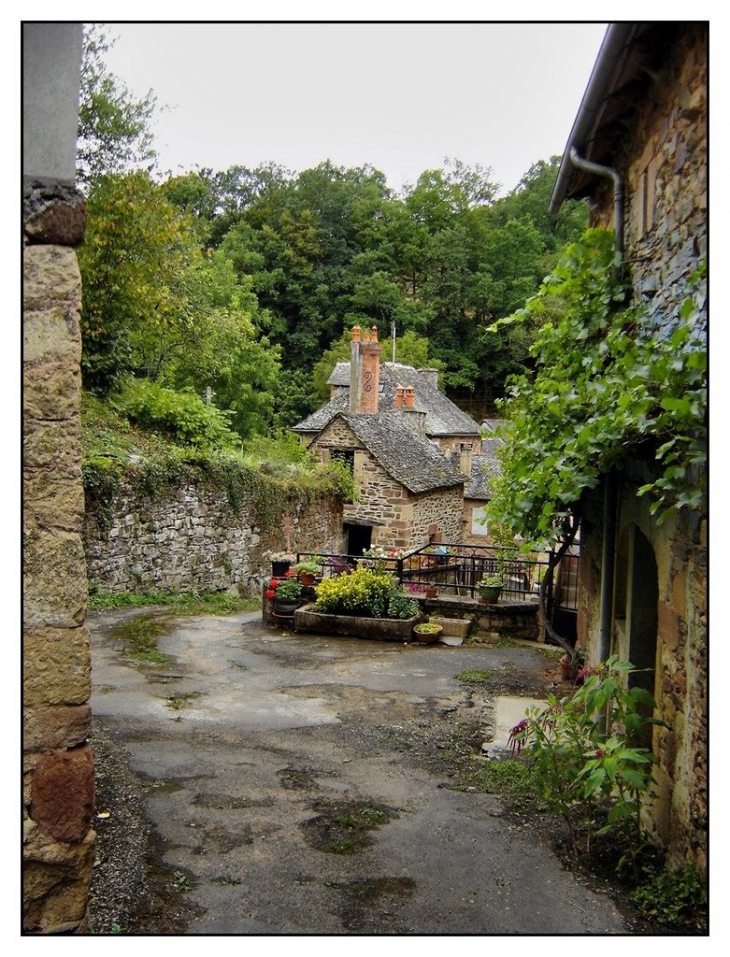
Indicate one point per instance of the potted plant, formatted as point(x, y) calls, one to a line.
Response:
point(308, 572)
point(427, 632)
point(490, 588)
point(286, 594)
point(281, 562)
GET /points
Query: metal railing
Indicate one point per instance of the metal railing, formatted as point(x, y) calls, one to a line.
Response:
point(455, 569)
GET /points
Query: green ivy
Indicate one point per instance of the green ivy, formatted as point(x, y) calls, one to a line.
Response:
point(102, 478)
point(604, 382)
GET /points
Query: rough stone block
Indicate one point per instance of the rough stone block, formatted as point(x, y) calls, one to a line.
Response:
point(56, 880)
point(60, 727)
point(62, 222)
point(62, 794)
point(55, 590)
point(50, 274)
point(52, 445)
point(56, 667)
point(51, 334)
point(54, 500)
point(51, 391)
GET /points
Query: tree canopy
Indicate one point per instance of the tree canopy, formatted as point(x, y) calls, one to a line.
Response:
point(244, 282)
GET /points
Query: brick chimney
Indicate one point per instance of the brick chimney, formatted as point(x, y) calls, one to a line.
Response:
point(415, 417)
point(369, 378)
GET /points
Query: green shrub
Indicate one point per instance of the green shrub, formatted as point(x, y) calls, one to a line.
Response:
point(674, 898)
point(585, 761)
point(182, 416)
point(365, 592)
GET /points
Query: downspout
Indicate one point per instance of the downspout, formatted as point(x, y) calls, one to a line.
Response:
point(618, 192)
point(610, 492)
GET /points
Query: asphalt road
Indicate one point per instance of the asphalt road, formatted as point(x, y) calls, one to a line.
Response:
point(304, 785)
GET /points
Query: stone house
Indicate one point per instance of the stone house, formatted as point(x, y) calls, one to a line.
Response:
point(638, 150)
point(416, 457)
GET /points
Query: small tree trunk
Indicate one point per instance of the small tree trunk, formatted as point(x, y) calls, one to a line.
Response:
point(545, 629)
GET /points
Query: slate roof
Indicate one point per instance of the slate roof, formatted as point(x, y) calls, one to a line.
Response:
point(484, 468)
point(443, 417)
point(407, 457)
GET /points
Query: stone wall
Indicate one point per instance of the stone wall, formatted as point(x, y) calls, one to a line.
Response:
point(665, 164)
point(191, 539)
point(58, 784)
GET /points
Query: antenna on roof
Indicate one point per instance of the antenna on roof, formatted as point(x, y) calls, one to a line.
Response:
point(392, 332)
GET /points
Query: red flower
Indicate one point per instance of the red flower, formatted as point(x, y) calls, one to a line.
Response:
point(270, 593)
point(274, 583)
point(516, 738)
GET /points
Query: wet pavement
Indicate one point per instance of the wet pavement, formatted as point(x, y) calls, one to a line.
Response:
point(301, 785)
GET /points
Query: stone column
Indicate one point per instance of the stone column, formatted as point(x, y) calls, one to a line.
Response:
point(58, 780)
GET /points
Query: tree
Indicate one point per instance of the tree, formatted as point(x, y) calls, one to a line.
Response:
point(137, 251)
point(156, 307)
point(114, 128)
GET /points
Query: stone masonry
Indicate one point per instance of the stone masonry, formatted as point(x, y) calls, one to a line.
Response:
point(58, 794)
point(191, 539)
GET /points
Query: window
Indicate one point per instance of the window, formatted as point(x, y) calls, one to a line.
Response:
point(479, 521)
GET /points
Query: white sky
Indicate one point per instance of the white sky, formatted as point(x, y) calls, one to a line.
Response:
point(399, 96)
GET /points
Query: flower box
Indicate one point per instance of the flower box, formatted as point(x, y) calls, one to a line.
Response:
point(378, 629)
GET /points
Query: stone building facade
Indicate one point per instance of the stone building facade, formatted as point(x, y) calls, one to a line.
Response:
point(191, 539)
point(58, 781)
point(650, 579)
point(413, 453)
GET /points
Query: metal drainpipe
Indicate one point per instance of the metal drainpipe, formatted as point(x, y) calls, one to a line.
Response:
point(610, 493)
point(618, 192)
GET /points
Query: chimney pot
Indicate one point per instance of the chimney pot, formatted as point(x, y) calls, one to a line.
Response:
point(355, 334)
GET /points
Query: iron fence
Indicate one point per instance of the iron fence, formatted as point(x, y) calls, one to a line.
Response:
point(457, 569)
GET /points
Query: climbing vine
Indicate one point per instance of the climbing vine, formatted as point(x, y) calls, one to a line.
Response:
point(605, 381)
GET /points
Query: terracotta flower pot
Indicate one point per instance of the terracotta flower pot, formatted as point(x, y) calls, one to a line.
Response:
point(429, 636)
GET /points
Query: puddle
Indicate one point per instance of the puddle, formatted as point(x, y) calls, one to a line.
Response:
point(508, 711)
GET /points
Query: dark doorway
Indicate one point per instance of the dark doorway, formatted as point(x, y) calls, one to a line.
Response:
point(642, 611)
point(357, 538)
point(636, 612)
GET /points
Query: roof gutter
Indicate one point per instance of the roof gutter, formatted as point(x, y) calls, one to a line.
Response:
point(608, 62)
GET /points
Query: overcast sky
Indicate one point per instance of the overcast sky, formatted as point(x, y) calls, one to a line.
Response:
point(398, 96)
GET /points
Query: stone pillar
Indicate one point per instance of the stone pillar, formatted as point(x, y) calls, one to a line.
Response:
point(58, 779)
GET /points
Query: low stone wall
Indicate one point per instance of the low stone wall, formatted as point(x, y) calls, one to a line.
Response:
point(192, 539)
point(508, 619)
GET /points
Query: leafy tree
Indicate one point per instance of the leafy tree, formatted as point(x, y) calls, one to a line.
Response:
point(137, 250)
point(114, 128)
point(530, 200)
